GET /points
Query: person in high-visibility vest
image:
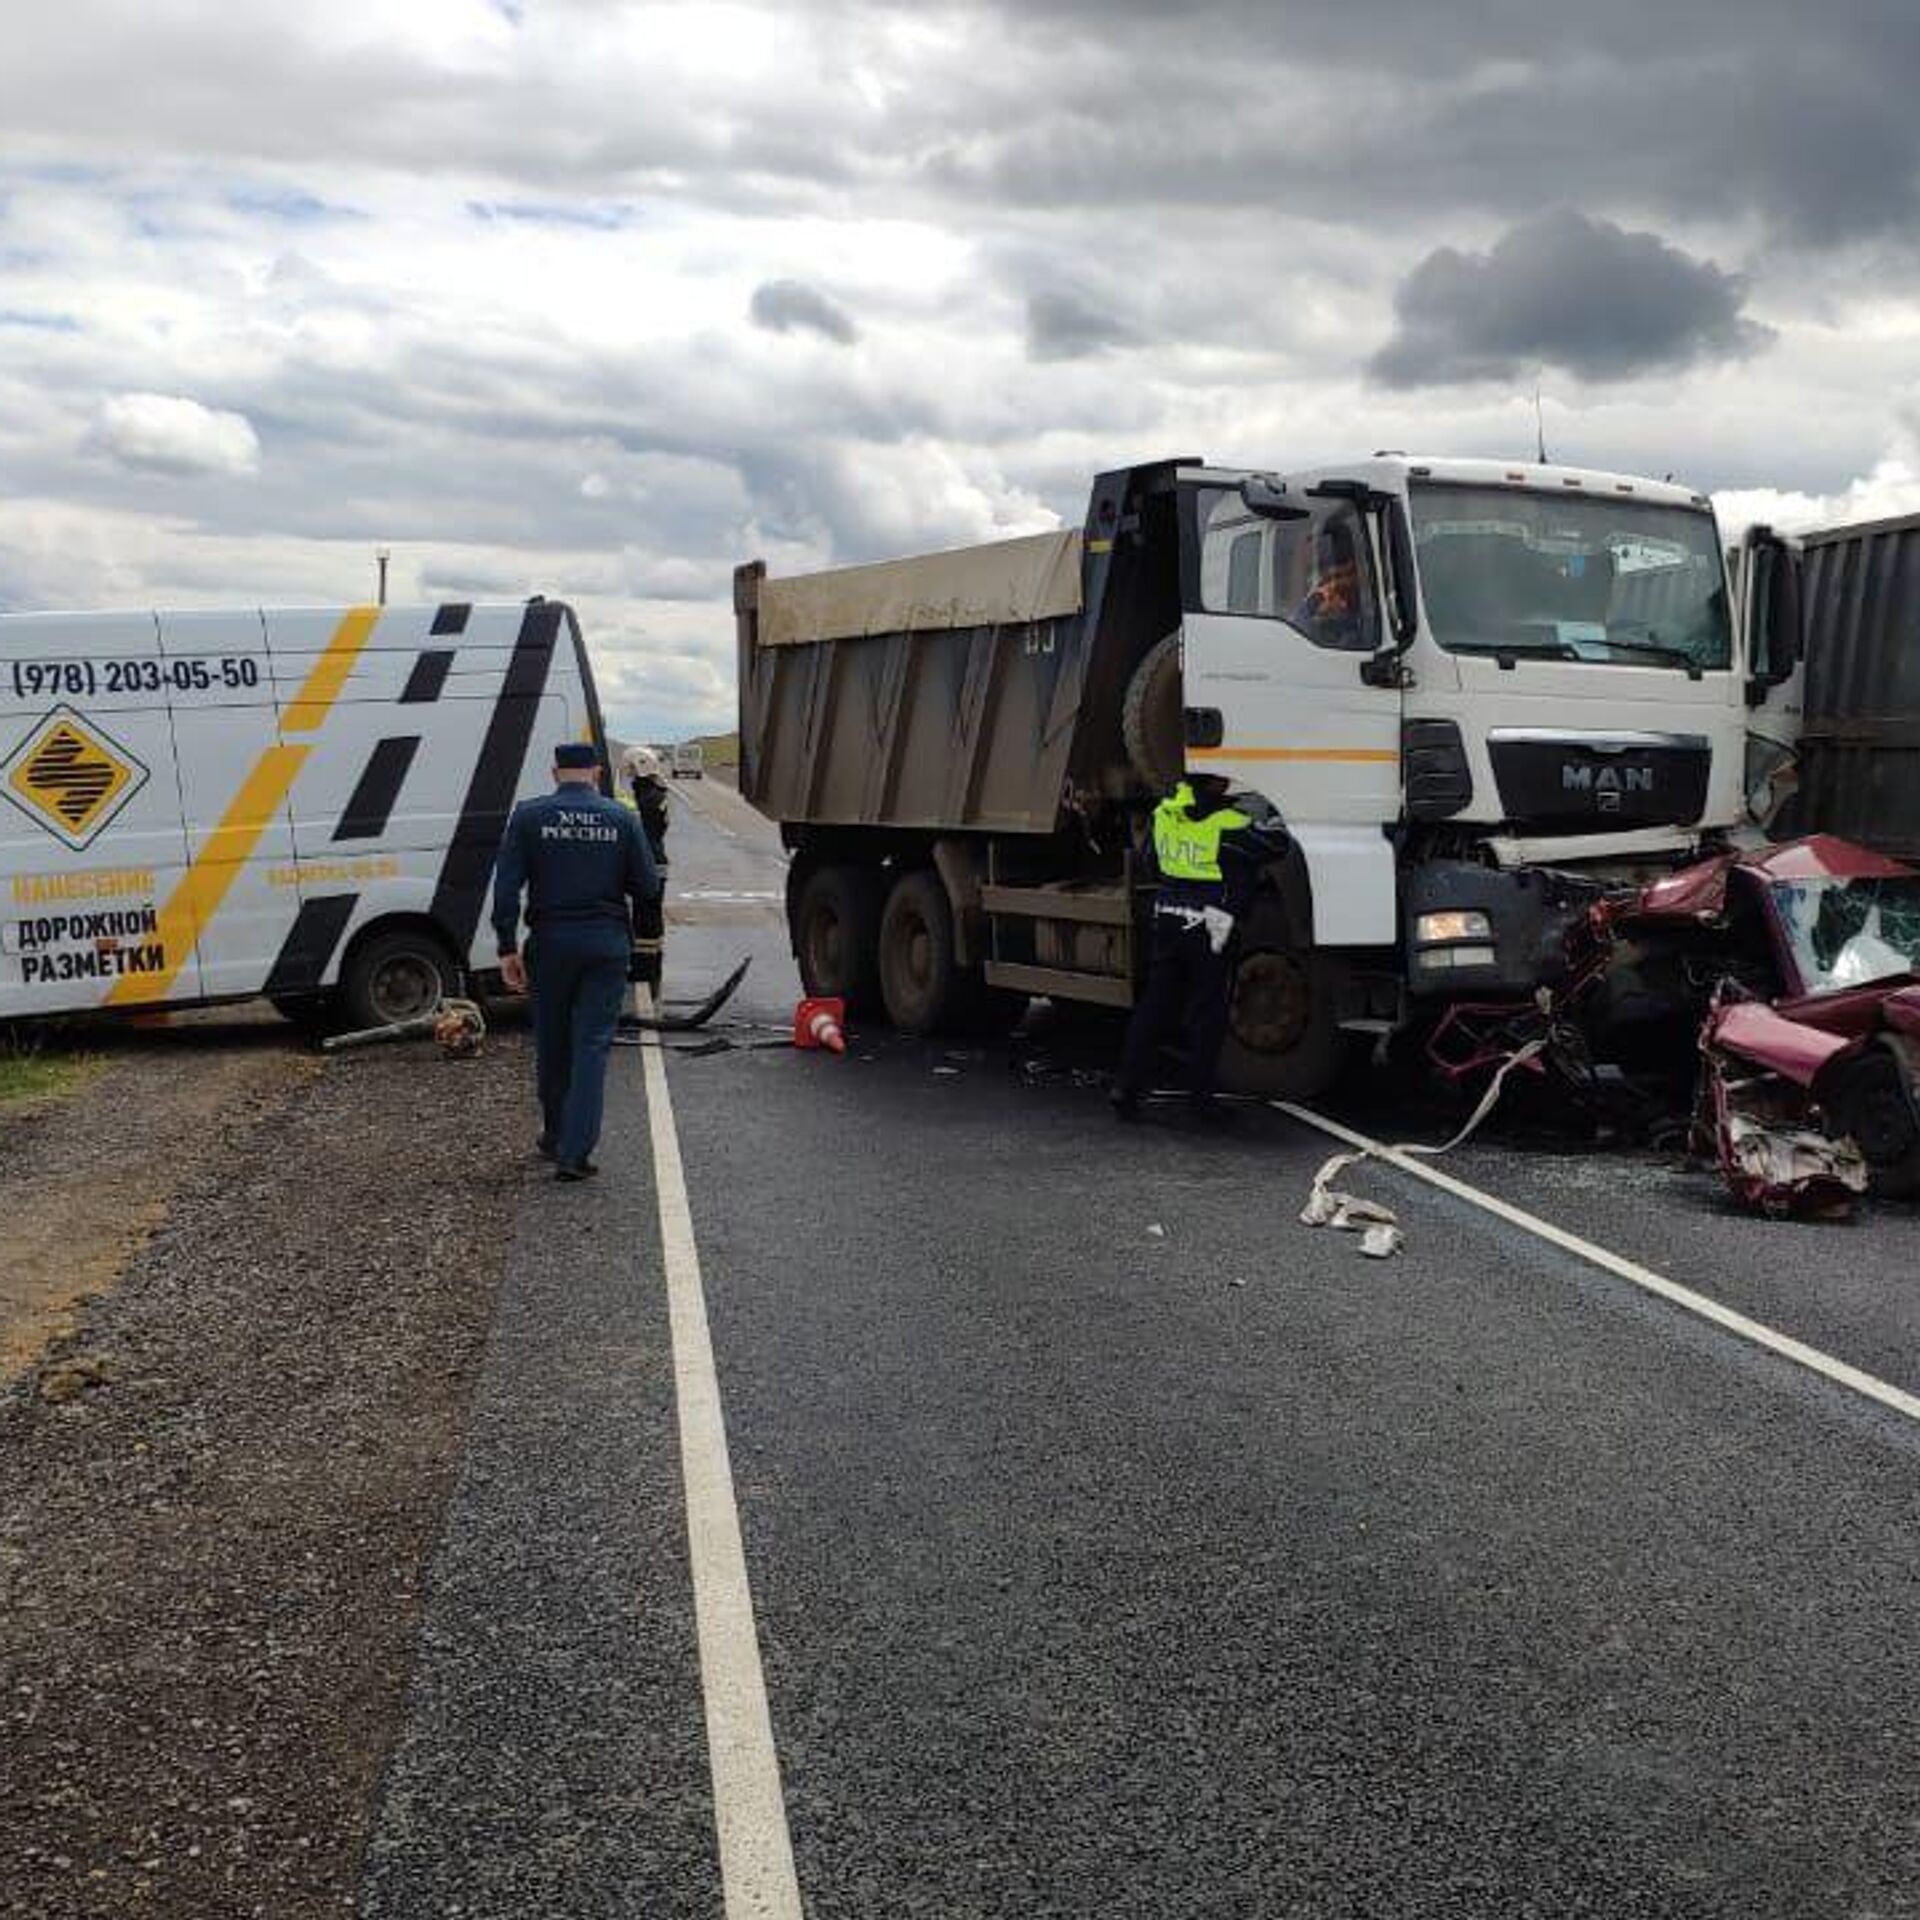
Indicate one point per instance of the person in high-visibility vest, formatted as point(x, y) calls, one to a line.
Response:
point(1208, 853)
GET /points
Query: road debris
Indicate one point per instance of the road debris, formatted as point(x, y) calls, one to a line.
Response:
point(1376, 1223)
point(457, 1026)
point(698, 1017)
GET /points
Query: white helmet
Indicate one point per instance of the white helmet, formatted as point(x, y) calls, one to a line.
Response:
point(641, 763)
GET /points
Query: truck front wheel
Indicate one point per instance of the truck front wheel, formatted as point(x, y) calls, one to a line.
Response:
point(836, 936)
point(1283, 1031)
point(920, 982)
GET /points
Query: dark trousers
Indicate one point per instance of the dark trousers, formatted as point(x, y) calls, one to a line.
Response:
point(579, 978)
point(1187, 982)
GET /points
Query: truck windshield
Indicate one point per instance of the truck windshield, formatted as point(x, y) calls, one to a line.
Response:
point(1845, 933)
point(1571, 577)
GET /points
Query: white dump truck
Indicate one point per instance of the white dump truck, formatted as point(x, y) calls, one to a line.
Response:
point(1474, 690)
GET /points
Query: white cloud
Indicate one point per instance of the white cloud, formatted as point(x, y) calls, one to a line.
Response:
point(1890, 490)
point(167, 433)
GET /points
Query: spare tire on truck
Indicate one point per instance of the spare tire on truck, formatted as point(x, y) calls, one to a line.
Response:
point(1153, 719)
point(1283, 1032)
point(836, 935)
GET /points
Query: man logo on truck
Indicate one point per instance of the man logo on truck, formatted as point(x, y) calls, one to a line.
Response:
point(67, 775)
point(1605, 782)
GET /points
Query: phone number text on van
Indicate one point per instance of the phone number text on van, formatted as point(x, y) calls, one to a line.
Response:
point(34, 679)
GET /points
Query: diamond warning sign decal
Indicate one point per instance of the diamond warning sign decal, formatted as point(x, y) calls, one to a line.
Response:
point(70, 777)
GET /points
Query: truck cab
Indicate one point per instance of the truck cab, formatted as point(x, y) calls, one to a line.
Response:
point(1449, 674)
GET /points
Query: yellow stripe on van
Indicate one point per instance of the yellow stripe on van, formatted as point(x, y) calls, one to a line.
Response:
point(311, 704)
point(191, 906)
point(193, 903)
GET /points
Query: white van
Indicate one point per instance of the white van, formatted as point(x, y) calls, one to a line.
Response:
point(689, 760)
point(303, 805)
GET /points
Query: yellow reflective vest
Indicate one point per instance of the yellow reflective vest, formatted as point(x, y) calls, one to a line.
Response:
point(1186, 848)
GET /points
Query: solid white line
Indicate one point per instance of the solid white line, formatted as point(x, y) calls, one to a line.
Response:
point(1788, 1348)
point(757, 1878)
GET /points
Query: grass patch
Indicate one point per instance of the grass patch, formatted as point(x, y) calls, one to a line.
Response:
point(33, 1072)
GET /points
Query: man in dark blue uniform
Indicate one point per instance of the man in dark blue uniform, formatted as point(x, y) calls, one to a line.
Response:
point(584, 864)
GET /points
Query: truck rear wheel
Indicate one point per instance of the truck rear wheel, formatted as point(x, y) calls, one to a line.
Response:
point(394, 976)
point(923, 987)
point(1283, 1032)
point(1152, 719)
point(836, 936)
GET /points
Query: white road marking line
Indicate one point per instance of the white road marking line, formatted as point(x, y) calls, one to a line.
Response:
point(757, 1877)
point(1761, 1335)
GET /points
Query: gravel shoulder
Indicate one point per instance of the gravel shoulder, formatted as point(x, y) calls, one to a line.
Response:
point(211, 1549)
point(86, 1174)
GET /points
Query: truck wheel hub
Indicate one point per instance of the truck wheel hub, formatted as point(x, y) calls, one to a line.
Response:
point(1272, 1002)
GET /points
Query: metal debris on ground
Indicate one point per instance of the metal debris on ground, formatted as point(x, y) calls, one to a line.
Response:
point(458, 1026)
point(698, 1017)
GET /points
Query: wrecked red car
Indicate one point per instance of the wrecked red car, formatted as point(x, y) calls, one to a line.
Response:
point(1811, 1039)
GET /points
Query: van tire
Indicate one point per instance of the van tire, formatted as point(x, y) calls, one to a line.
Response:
point(836, 936)
point(1152, 718)
point(921, 983)
point(397, 975)
point(1283, 1029)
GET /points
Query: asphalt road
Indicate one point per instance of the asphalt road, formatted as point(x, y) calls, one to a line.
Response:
point(1120, 1547)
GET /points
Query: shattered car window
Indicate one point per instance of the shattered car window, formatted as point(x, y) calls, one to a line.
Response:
point(1846, 933)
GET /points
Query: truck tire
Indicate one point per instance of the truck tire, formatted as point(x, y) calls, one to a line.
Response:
point(836, 936)
point(923, 987)
point(1283, 1033)
point(1152, 719)
point(393, 976)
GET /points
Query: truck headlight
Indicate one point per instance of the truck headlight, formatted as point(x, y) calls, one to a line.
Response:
point(1439, 929)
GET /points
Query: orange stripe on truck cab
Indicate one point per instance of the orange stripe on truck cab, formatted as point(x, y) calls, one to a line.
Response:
point(1365, 756)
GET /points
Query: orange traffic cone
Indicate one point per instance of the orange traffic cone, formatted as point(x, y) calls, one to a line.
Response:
point(819, 1023)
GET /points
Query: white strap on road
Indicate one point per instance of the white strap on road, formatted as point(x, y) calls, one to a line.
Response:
point(1881, 1392)
point(1376, 1223)
point(757, 1875)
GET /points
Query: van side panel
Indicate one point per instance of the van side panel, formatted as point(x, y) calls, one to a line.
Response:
point(274, 785)
point(234, 766)
point(91, 837)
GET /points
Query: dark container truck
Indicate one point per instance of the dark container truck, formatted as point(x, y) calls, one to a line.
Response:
point(1836, 745)
point(1473, 691)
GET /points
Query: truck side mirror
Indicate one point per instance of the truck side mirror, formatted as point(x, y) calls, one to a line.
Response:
point(1405, 591)
point(1774, 623)
point(1783, 617)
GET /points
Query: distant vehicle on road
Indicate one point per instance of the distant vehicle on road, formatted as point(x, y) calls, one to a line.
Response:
point(689, 760)
point(300, 805)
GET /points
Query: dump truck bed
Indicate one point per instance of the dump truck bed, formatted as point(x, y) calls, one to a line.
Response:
point(961, 691)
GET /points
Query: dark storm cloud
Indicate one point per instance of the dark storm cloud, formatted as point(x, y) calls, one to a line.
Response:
point(791, 306)
point(1806, 121)
point(1064, 326)
point(1563, 291)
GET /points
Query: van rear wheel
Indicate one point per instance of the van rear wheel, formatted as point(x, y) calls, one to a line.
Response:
point(394, 976)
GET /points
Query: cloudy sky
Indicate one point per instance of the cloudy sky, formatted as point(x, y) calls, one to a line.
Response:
point(596, 299)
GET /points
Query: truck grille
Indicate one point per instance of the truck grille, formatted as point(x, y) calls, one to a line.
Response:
point(1592, 780)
